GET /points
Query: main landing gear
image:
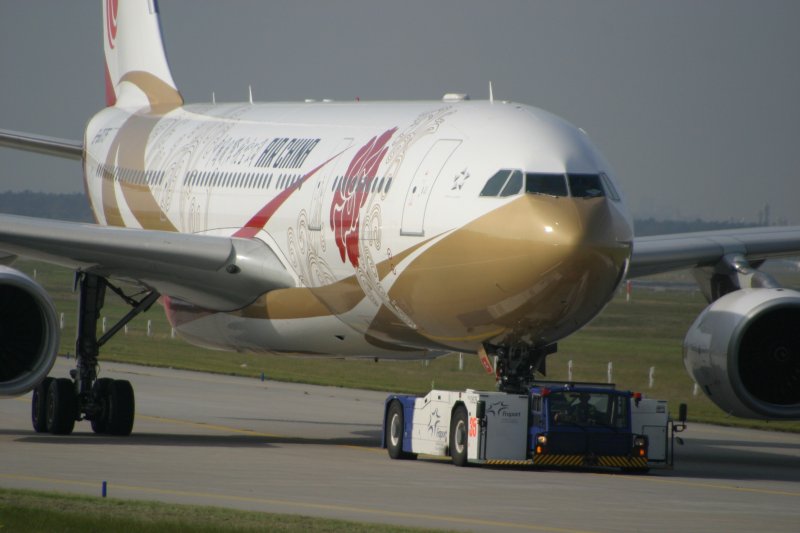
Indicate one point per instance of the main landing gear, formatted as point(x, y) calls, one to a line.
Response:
point(107, 403)
point(517, 363)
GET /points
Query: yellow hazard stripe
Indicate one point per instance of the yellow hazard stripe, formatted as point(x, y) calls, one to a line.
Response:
point(558, 460)
point(510, 462)
point(622, 462)
point(581, 460)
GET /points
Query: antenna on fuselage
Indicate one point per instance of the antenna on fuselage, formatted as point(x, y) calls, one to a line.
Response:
point(250, 92)
point(213, 97)
point(491, 93)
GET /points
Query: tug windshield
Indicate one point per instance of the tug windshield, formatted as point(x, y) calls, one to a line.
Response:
point(588, 409)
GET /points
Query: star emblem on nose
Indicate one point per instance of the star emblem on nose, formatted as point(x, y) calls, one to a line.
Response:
point(459, 180)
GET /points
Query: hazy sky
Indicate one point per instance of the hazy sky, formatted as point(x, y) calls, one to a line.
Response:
point(694, 103)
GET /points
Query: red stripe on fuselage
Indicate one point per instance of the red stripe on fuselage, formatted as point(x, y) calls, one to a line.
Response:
point(260, 219)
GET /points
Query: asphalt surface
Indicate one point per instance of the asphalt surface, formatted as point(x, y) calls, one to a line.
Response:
point(290, 448)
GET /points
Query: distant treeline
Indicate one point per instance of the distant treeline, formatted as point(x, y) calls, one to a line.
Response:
point(75, 207)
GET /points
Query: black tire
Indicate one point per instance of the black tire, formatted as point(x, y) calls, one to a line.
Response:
point(39, 406)
point(62, 406)
point(121, 408)
point(458, 436)
point(395, 425)
point(101, 390)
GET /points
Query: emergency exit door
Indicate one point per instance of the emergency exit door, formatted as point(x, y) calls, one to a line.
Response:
point(422, 183)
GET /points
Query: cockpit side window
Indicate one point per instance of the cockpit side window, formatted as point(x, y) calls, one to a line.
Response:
point(585, 185)
point(513, 185)
point(495, 183)
point(549, 184)
point(610, 189)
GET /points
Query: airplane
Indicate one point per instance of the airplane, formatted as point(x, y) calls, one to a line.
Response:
point(385, 230)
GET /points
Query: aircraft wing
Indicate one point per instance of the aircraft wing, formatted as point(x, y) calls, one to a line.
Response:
point(663, 253)
point(41, 144)
point(219, 273)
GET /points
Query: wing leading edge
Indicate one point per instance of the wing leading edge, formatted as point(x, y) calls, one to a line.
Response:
point(663, 253)
point(219, 273)
point(41, 144)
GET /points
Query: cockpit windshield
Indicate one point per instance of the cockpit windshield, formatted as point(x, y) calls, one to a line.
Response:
point(549, 184)
point(507, 182)
point(585, 185)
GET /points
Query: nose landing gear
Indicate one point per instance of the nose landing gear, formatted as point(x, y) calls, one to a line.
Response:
point(517, 363)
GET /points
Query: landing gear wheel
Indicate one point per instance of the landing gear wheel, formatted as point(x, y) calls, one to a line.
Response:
point(108, 404)
point(458, 436)
point(100, 391)
point(62, 406)
point(395, 425)
point(121, 408)
point(39, 406)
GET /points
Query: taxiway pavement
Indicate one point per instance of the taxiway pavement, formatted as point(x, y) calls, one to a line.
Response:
point(293, 448)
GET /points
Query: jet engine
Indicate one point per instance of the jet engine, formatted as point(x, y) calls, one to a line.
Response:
point(29, 333)
point(744, 351)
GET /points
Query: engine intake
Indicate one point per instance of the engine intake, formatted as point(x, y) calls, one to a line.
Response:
point(744, 351)
point(29, 333)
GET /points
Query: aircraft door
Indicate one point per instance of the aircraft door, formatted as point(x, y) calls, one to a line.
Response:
point(337, 168)
point(421, 185)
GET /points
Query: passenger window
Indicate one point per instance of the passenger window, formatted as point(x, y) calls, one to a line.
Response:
point(549, 184)
point(495, 183)
point(513, 185)
point(585, 186)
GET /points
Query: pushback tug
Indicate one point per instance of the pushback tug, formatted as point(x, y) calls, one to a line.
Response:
point(553, 424)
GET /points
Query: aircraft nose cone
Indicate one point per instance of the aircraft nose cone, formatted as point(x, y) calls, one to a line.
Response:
point(533, 270)
point(579, 249)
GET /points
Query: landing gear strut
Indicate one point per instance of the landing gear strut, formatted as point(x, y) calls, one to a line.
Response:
point(517, 363)
point(108, 403)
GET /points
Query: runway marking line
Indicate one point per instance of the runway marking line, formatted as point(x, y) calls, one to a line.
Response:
point(302, 505)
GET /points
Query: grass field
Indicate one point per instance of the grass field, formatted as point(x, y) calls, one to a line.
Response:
point(40, 512)
point(647, 332)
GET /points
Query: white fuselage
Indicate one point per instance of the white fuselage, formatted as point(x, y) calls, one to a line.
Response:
point(376, 210)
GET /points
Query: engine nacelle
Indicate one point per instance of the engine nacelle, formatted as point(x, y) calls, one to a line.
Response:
point(29, 333)
point(744, 352)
